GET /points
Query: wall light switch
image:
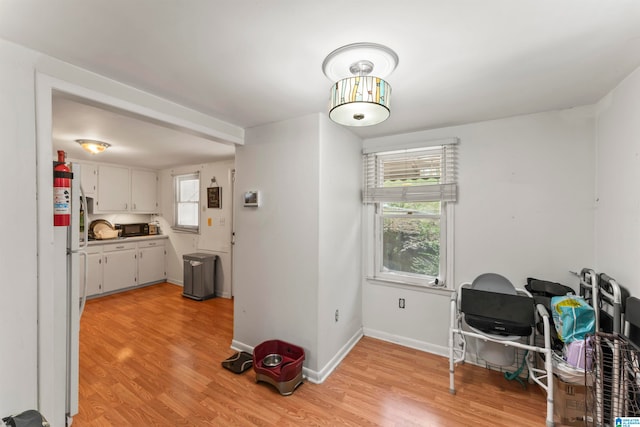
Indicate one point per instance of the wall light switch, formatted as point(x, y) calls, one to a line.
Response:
point(222, 221)
point(209, 222)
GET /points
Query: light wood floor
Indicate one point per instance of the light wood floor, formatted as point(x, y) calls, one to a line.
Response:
point(150, 357)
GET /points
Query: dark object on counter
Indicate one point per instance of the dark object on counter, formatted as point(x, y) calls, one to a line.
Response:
point(133, 230)
point(199, 276)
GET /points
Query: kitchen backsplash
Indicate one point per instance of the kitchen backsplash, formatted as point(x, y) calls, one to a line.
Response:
point(120, 218)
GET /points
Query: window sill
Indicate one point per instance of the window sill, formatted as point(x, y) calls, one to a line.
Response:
point(185, 230)
point(440, 290)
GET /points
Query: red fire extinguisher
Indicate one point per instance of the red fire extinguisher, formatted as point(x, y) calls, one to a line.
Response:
point(62, 177)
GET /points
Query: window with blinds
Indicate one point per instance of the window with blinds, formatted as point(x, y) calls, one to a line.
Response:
point(416, 174)
point(187, 202)
point(410, 190)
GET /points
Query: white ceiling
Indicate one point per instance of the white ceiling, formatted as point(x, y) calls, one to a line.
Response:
point(250, 62)
point(134, 141)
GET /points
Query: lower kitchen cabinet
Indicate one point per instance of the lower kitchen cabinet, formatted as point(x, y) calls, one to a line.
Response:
point(123, 265)
point(151, 261)
point(94, 272)
point(119, 266)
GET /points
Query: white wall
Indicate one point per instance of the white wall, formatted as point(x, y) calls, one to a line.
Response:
point(525, 208)
point(18, 292)
point(297, 256)
point(340, 240)
point(32, 339)
point(276, 251)
point(215, 238)
point(617, 218)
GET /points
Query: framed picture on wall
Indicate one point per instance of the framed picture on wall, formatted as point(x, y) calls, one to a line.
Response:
point(213, 197)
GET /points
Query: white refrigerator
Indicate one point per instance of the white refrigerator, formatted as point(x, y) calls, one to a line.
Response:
point(70, 246)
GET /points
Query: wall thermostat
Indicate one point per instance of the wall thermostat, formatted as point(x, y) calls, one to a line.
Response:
point(252, 199)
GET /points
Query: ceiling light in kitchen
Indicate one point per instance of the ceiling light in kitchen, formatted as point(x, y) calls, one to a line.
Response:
point(93, 146)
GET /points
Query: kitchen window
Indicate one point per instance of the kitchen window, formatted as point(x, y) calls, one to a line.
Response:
point(187, 202)
point(410, 194)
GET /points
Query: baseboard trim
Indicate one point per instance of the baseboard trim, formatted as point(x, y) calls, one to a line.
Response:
point(226, 295)
point(318, 377)
point(240, 346)
point(407, 342)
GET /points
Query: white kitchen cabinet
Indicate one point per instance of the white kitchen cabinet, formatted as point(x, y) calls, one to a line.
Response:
point(114, 192)
point(94, 273)
point(121, 189)
point(151, 261)
point(89, 179)
point(123, 264)
point(119, 266)
point(144, 191)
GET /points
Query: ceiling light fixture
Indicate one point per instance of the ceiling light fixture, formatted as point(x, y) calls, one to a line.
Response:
point(358, 98)
point(93, 146)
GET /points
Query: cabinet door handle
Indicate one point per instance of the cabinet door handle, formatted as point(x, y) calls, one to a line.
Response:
point(105, 260)
point(134, 206)
point(152, 243)
point(140, 255)
point(126, 205)
point(119, 247)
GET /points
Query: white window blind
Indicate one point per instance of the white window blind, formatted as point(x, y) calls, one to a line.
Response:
point(414, 174)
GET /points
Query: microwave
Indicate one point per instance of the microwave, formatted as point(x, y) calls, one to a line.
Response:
point(132, 230)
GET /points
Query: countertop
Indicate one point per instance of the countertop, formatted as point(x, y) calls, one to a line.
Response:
point(127, 239)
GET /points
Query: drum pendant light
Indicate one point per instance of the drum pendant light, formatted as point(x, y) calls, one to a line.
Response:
point(358, 98)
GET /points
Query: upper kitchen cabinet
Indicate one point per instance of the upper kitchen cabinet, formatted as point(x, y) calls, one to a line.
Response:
point(121, 189)
point(114, 192)
point(89, 179)
point(144, 191)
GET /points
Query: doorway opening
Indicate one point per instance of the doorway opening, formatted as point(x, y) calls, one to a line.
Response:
point(52, 321)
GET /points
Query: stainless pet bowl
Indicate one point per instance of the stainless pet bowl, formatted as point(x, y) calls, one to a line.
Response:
point(272, 360)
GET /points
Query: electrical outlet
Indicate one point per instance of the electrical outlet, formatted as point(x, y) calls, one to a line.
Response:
point(401, 303)
point(337, 315)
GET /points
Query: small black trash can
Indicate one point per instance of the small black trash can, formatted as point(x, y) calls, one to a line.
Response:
point(199, 276)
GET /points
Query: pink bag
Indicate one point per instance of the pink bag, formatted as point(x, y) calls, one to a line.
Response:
point(579, 353)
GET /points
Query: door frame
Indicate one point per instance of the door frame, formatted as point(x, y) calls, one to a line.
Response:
point(52, 351)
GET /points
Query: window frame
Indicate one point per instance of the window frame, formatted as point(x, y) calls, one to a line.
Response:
point(407, 277)
point(374, 217)
point(177, 178)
